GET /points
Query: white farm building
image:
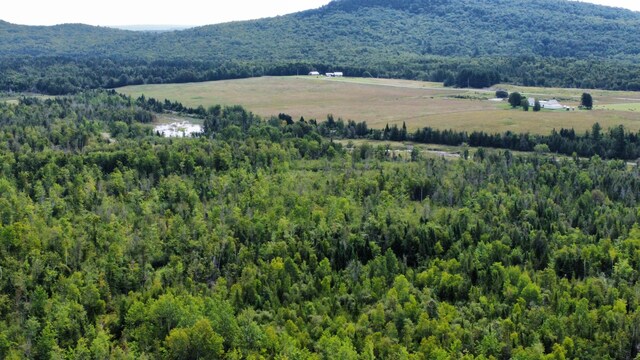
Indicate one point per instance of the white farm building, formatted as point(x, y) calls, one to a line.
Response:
point(551, 105)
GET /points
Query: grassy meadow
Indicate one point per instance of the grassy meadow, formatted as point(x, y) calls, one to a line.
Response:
point(15, 98)
point(632, 107)
point(386, 101)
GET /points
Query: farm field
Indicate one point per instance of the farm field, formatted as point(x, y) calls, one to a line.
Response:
point(633, 107)
point(384, 101)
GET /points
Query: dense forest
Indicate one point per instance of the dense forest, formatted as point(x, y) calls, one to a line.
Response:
point(458, 42)
point(262, 239)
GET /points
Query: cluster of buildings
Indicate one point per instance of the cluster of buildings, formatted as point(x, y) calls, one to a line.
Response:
point(331, 74)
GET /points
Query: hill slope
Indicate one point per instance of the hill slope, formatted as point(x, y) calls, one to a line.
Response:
point(532, 42)
point(360, 29)
point(356, 29)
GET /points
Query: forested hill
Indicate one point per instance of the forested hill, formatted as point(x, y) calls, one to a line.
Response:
point(67, 39)
point(366, 29)
point(529, 42)
point(354, 30)
point(498, 27)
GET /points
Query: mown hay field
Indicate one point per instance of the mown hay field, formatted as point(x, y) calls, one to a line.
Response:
point(385, 101)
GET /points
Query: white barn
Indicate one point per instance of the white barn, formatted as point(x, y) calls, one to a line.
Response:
point(314, 73)
point(551, 105)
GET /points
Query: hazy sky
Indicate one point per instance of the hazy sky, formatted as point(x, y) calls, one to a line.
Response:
point(184, 12)
point(629, 4)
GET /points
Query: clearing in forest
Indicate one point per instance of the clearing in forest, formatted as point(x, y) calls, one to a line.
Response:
point(387, 101)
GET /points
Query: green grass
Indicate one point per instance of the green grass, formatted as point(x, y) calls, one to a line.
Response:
point(573, 95)
point(632, 107)
point(428, 150)
point(15, 98)
point(387, 101)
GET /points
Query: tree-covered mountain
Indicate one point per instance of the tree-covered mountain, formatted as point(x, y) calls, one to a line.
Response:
point(355, 30)
point(563, 42)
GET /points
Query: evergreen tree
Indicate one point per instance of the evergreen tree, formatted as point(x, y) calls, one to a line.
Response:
point(536, 106)
point(515, 99)
point(502, 94)
point(586, 101)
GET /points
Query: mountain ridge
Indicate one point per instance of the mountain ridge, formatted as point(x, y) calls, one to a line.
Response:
point(417, 27)
point(530, 42)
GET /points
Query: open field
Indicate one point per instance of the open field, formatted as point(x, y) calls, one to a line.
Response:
point(385, 101)
point(172, 118)
point(401, 145)
point(633, 107)
point(15, 98)
point(403, 149)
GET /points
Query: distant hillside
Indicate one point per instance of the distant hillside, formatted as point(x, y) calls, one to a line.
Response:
point(67, 39)
point(427, 39)
point(351, 30)
point(355, 30)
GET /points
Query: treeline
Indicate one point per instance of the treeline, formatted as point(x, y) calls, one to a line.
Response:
point(267, 245)
point(612, 143)
point(62, 75)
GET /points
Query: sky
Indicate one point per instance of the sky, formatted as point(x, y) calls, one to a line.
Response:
point(183, 12)
point(628, 4)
